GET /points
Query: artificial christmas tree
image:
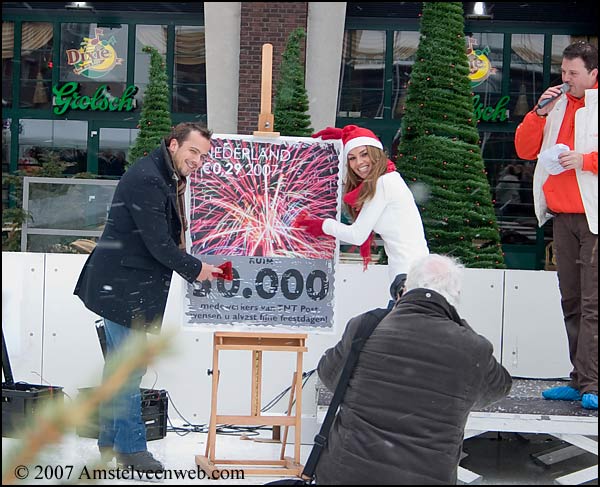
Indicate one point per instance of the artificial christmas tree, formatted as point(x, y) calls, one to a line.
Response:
point(155, 119)
point(439, 154)
point(291, 99)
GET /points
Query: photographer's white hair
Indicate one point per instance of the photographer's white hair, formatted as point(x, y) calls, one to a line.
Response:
point(439, 273)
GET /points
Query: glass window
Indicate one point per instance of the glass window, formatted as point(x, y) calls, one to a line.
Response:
point(526, 73)
point(559, 43)
point(94, 56)
point(43, 141)
point(189, 74)
point(6, 137)
point(36, 64)
point(362, 76)
point(511, 182)
point(405, 48)
point(69, 206)
point(67, 215)
point(114, 149)
point(147, 35)
point(8, 53)
point(484, 52)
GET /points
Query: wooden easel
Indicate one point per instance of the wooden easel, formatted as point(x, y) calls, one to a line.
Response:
point(266, 118)
point(258, 343)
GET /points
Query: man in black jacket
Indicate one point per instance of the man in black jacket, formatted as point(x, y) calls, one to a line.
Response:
point(417, 378)
point(126, 278)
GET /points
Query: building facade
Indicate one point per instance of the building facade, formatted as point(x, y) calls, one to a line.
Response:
point(74, 77)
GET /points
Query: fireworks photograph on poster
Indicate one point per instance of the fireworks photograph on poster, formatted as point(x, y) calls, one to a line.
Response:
point(247, 195)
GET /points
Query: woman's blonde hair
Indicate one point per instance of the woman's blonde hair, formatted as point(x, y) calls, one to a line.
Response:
point(379, 159)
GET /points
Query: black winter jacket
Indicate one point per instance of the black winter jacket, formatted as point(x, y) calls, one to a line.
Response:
point(126, 278)
point(417, 378)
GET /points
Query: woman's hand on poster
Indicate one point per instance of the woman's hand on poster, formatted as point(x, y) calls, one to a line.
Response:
point(313, 226)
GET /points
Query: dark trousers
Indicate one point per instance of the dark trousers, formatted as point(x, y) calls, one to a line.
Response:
point(576, 250)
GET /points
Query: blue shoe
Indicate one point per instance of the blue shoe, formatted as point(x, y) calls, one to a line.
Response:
point(590, 401)
point(562, 393)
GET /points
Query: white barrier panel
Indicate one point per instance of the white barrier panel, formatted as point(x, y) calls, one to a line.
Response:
point(481, 304)
point(535, 339)
point(72, 357)
point(72, 353)
point(22, 313)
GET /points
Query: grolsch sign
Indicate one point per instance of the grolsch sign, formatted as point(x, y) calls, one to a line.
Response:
point(67, 97)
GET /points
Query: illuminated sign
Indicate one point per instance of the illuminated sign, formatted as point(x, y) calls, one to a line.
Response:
point(67, 97)
point(95, 58)
point(498, 113)
point(480, 67)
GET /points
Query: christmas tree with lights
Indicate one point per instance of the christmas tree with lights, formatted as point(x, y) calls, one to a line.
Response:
point(291, 100)
point(155, 119)
point(439, 154)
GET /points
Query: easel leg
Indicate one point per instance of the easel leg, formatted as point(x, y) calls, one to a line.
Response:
point(256, 383)
point(212, 427)
point(289, 413)
point(298, 431)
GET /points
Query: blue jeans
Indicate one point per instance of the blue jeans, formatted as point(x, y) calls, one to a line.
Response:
point(121, 425)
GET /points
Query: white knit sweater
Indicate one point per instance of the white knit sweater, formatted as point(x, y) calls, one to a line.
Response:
point(393, 214)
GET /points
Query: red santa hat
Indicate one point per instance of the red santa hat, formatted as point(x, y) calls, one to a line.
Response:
point(354, 136)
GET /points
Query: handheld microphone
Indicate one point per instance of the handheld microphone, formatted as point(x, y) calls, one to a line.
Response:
point(563, 89)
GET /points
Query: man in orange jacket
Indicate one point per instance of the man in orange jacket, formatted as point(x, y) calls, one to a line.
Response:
point(569, 193)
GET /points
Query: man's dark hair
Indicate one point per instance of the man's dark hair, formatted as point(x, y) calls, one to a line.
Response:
point(181, 131)
point(584, 50)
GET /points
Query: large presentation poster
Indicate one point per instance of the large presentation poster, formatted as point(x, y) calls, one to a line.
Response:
point(243, 203)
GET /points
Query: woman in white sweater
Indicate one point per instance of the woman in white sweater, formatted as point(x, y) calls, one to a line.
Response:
point(379, 201)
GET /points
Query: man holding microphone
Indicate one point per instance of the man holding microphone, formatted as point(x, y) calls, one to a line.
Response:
point(562, 129)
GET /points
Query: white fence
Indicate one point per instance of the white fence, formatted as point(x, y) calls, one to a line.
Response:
point(51, 337)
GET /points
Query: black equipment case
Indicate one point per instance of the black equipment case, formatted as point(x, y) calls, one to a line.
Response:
point(21, 401)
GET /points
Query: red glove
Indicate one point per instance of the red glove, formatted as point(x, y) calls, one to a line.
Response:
point(227, 269)
point(313, 226)
point(328, 133)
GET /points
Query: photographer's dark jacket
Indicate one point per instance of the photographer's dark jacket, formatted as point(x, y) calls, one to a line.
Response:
point(126, 278)
point(417, 378)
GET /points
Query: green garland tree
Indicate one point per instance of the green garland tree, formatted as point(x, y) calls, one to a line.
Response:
point(155, 119)
point(291, 100)
point(439, 154)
